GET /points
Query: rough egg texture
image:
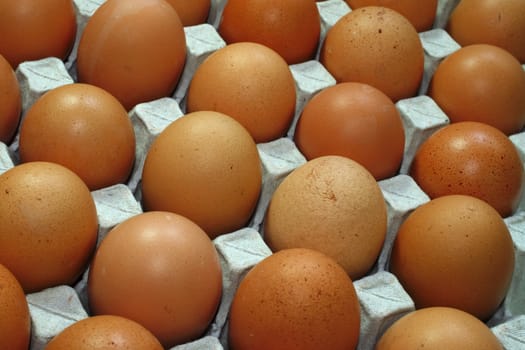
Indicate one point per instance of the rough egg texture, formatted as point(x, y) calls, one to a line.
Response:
point(84, 128)
point(206, 167)
point(421, 13)
point(474, 159)
point(34, 29)
point(15, 322)
point(331, 204)
point(48, 225)
point(161, 270)
point(377, 46)
point(481, 83)
point(249, 82)
point(10, 102)
point(104, 332)
point(135, 50)
point(496, 22)
point(191, 12)
point(455, 251)
point(354, 120)
point(292, 28)
point(295, 299)
point(437, 328)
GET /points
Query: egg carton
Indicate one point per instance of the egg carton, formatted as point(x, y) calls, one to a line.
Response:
point(381, 296)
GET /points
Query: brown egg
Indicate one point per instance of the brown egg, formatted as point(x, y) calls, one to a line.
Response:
point(105, 332)
point(135, 50)
point(15, 322)
point(420, 13)
point(48, 224)
point(161, 270)
point(354, 120)
point(206, 167)
point(331, 204)
point(191, 12)
point(481, 83)
point(84, 128)
point(376, 46)
point(295, 299)
point(10, 102)
point(35, 29)
point(500, 23)
point(292, 28)
point(455, 251)
point(249, 82)
point(473, 159)
point(438, 328)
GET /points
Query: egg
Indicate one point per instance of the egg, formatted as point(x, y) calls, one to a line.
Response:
point(295, 299)
point(15, 322)
point(142, 58)
point(206, 167)
point(10, 102)
point(48, 225)
point(33, 29)
point(437, 328)
point(104, 332)
point(377, 46)
point(354, 120)
point(420, 13)
point(331, 204)
point(500, 23)
point(191, 12)
point(454, 251)
point(292, 28)
point(249, 82)
point(161, 270)
point(482, 83)
point(474, 159)
point(84, 128)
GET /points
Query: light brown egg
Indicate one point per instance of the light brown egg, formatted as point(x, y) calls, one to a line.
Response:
point(292, 28)
point(474, 159)
point(295, 299)
point(455, 251)
point(331, 204)
point(420, 13)
point(34, 29)
point(15, 322)
point(48, 224)
point(191, 12)
point(438, 328)
point(161, 270)
point(249, 82)
point(376, 46)
point(84, 128)
point(482, 83)
point(104, 332)
point(206, 167)
point(354, 120)
point(135, 50)
point(500, 23)
point(10, 102)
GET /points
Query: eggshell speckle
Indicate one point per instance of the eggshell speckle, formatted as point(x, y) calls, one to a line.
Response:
point(161, 270)
point(205, 166)
point(474, 159)
point(15, 323)
point(331, 204)
point(84, 128)
point(438, 328)
point(455, 251)
point(376, 46)
point(48, 224)
point(295, 299)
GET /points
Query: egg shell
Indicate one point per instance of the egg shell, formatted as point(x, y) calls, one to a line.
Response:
point(10, 102)
point(191, 12)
